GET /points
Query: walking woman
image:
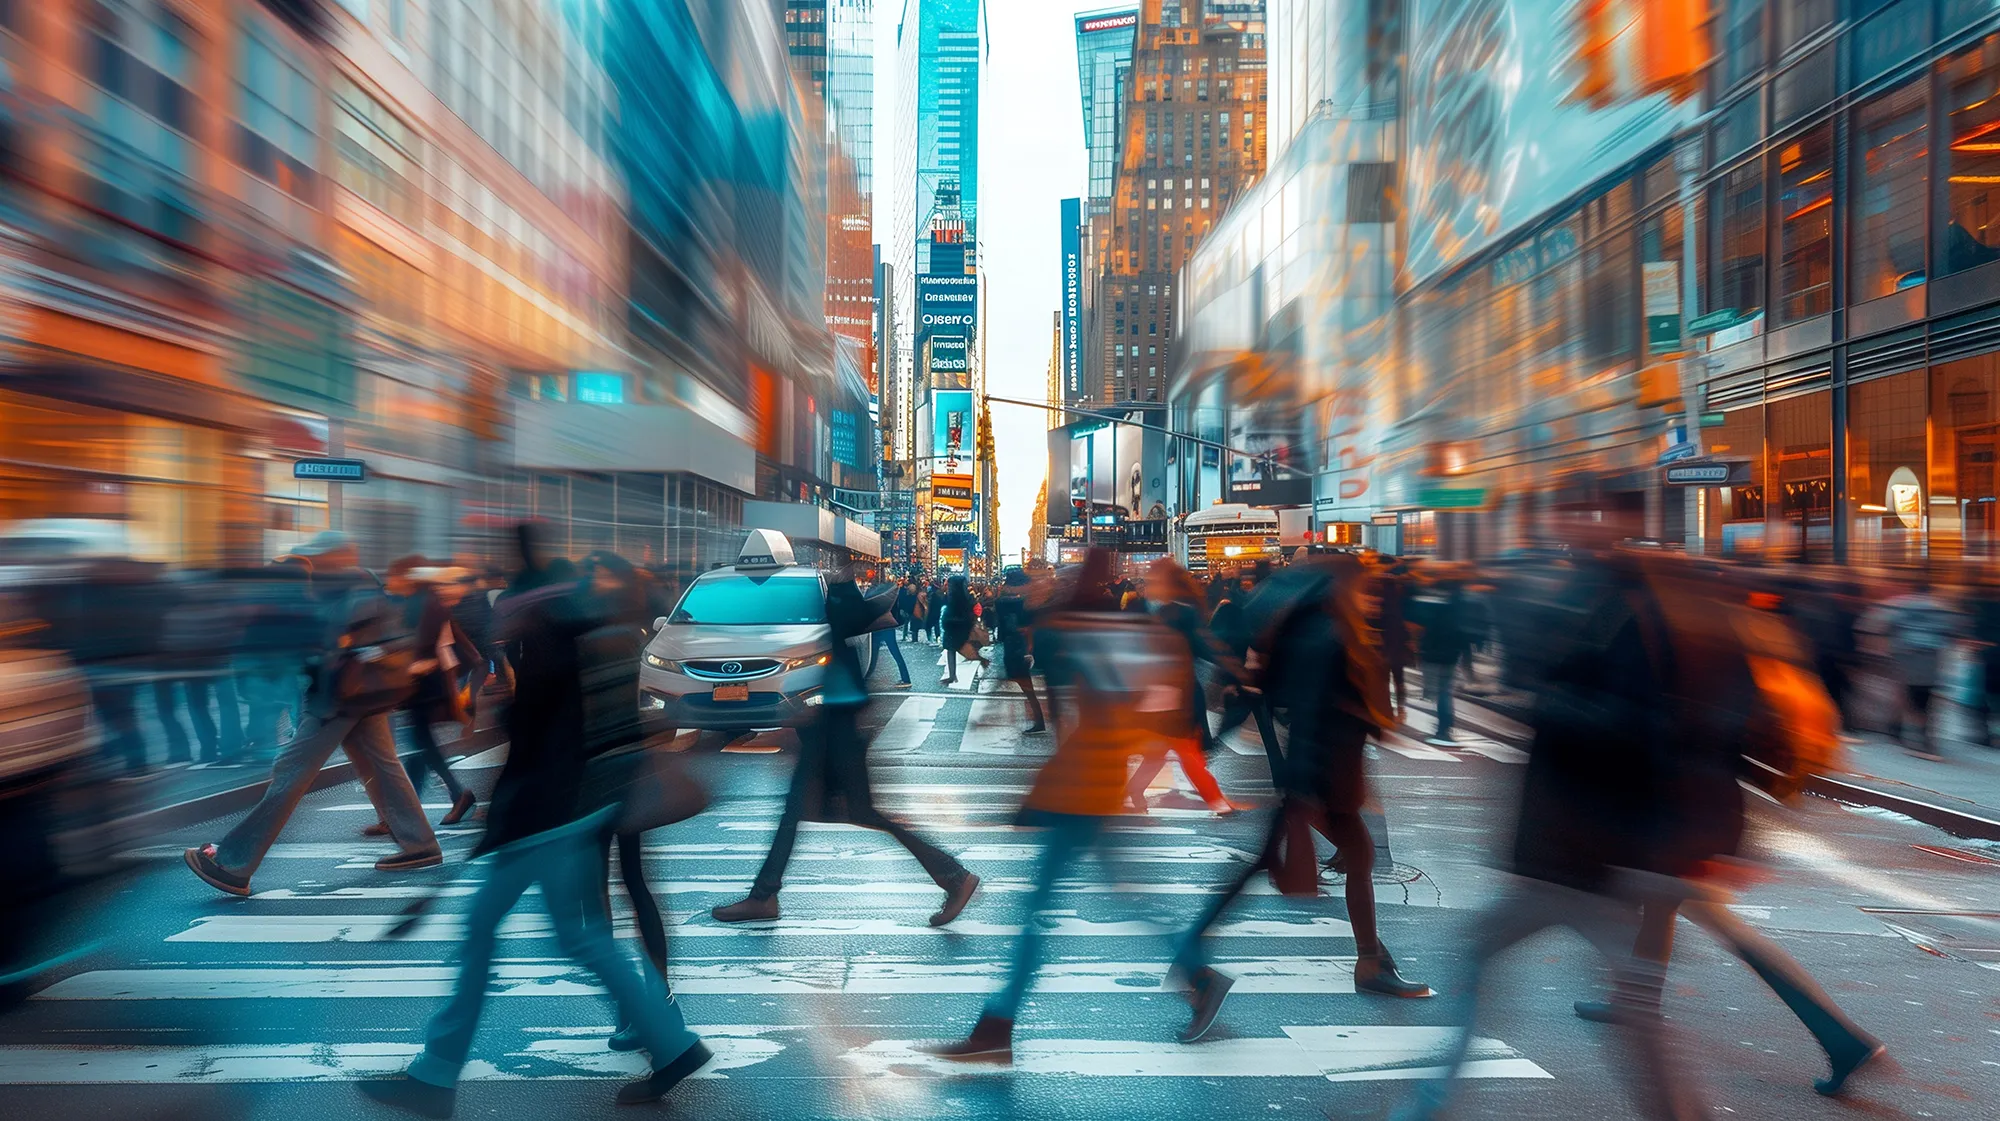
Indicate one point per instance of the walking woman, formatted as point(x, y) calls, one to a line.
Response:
point(1173, 598)
point(956, 626)
point(436, 700)
point(1322, 668)
point(1011, 618)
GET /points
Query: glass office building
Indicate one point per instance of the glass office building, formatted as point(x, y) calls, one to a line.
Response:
point(1103, 64)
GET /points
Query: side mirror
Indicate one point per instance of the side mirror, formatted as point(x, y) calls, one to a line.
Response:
point(659, 624)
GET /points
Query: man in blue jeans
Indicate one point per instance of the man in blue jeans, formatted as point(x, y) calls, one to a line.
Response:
point(887, 638)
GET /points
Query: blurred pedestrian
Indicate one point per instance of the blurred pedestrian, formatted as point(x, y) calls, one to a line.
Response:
point(1013, 621)
point(283, 627)
point(360, 677)
point(1392, 593)
point(440, 650)
point(831, 782)
point(1172, 594)
point(538, 834)
point(1322, 669)
point(885, 639)
point(1445, 640)
point(472, 618)
point(955, 627)
point(1919, 627)
point(934, 611)
point(1121, 676)
point(1229, 623)
point(1600, 813)
point(906, 608)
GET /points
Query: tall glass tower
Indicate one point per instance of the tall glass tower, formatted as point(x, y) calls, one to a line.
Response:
point(1103, 62)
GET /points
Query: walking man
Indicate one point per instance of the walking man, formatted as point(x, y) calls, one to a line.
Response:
point(885, 639)
point(359, 615)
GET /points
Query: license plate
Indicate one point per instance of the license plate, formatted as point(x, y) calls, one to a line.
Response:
point(731, 693)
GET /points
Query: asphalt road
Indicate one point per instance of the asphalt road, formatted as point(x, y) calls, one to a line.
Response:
point(201, 1006)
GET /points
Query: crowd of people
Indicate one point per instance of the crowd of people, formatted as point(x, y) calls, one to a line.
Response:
point(1653, 686)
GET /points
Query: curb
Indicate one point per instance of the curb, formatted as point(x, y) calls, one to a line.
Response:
point(1956, 822)
point(236, 799)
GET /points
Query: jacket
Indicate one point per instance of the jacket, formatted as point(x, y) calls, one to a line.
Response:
point(539, 785)
point(1116, 666)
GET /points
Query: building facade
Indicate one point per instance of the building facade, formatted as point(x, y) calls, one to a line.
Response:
point(1193, 141)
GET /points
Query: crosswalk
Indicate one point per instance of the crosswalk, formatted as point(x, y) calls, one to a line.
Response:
point(337, 1001)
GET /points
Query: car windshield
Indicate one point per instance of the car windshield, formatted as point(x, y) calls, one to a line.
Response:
point(738, 600)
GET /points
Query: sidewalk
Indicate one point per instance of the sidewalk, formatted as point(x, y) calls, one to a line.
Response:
point(1960, 794)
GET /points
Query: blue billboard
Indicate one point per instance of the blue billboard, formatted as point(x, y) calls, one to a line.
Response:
point(1072, 297)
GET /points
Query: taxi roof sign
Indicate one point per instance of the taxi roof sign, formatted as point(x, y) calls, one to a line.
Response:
point(765, 548)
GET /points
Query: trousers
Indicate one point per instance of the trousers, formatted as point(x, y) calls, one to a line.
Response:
point(561, 862)
point(371, 745)
point(1065, 838)
point(943, 868)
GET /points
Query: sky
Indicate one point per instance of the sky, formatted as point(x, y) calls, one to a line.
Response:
point(1030, 158)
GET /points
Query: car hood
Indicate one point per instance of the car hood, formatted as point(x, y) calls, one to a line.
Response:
point(698, 641)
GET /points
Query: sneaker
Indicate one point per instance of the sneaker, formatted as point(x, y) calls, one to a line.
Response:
point(410, 1095)
point(956, 899)
point(749, 909)
point(1207, 990)
point(410, 861)
point(460, 806)
point(1596, 1011)
point(202, 862)
point(991, 1041)
point(900, 685)
point(656, 1085)
point(1441, 741)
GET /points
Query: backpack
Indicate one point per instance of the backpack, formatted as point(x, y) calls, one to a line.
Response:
point(373, 655)
point(1745, 684)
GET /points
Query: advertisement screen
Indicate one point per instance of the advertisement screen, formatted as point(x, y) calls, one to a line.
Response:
point(1266, 469)
point(1492, 143)
point(1058, 509)
point(1072, 296)
point(952, 431)
point(951, 492)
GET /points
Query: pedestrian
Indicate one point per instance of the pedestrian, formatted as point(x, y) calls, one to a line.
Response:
point(906, 608)
point(1919, 627)
point(1321, 668)
point(885, 639)
point(436, 699)
point(472, 618)
point(1122, 678)
point(199, 628)
point(1392, 591)
point(934, 616)
point(1446, 639)
point(1600, 802)
point(538, 834)
point(1229, 623)
point(363, 633)
point(955, 628)
point(832, 782)
point(1172, 595)
point(282, 629)
point(1013, 623)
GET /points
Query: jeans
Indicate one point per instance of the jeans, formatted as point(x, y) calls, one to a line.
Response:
point(1438, 680)
point(116, 707)
point(1529, 907)
point(1065, 839)
point(570, 869)
point(1348, 833)
point(197, 693)
point(886, 639)
point(426, 758)
point(271, 690)
point(371, 745)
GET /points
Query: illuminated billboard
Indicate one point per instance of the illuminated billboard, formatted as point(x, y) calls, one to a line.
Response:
point(952, 427)
point(952, 492)
point(1492, 142)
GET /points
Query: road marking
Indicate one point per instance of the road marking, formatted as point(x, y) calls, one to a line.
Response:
point(363, 855)
point(765, 825)
point(874, 976)
point(1498, 752)
point(736, 885)
point(1409, 748)
point(909, 726)
point(1375, 1053)
point(991, 728)
point(302, 929)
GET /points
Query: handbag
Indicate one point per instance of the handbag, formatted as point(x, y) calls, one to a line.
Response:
point(1293, 864)
point(979, 636)
point(649, 789)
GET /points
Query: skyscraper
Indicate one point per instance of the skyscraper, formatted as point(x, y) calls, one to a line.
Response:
point(830, 44)
point(1193, 140)
point(1103, 63)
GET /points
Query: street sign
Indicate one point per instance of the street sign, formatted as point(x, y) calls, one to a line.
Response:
point(1451, 498)
point(330, 470)
point(1708, 473)
point(1714, 321)
point(1714, 420)
point(1678, 451)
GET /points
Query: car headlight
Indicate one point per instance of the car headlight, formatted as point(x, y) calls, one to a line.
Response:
point(658, 662)
point(809, 660)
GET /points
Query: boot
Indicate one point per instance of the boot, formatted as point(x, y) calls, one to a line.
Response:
point(1868, 1051)
point(1206, 991)
point(956, 899)
point(991, 1041)
point(1376, 973)
point(655, 1086)
point(750, 909)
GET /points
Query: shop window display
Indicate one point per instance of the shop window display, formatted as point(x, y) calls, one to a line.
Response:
point(1965, 495)
point(1800, 448)
point(1732, 517)
point(1887, 489)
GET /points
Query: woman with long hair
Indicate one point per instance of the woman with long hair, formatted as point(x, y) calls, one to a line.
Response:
point(1173, 597)
point(956, 626)
point(1321, 665)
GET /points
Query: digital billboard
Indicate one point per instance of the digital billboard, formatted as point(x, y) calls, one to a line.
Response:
point(952, 431)
point(951, 492)
point(1492, 142)
point(1072, 297)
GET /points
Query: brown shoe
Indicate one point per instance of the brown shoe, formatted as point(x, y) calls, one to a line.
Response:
point(956, 899)
point(991, 1041)
point(378, 829)
point(460, 806)
point(410, 861)
point(751, 909)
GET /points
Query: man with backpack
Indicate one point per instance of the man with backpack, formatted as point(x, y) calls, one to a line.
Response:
point(367, 665)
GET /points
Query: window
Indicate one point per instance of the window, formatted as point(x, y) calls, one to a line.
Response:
point(374, 153)
point(1368, 189)
point(1972, 207)
point(276, 118)
point(1737, 213)
point(739, 600)
point(1743, 47)
point(398, 17)
point(1805, 233)
point(1799, 20)
point(1887, 210)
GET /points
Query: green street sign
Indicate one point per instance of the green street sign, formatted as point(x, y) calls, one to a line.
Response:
point(1451, 498)
point(1714, 420)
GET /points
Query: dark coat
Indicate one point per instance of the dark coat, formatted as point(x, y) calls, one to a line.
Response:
point(1307, 674)
point(436, 698)
point(538, 788)
point(1014, 624)
point(1446, 620)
